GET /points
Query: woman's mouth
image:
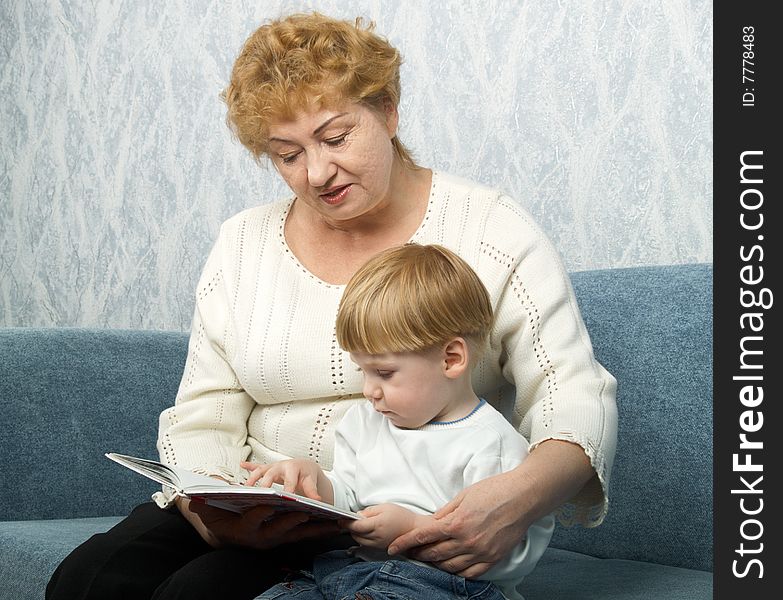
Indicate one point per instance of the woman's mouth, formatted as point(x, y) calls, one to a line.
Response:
point(335, 195)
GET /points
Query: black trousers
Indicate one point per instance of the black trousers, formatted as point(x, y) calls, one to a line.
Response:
point(156, 554)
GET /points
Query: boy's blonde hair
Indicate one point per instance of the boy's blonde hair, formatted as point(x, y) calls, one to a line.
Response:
point(304, 61)
point(412, 298)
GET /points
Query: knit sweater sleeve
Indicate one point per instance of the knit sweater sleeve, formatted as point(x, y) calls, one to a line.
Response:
point(206, 429)
point(545, 352)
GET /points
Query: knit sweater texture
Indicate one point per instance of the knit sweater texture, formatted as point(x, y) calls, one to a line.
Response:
point(265, 379)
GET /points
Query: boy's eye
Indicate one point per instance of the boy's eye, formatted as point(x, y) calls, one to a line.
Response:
point(384, 374)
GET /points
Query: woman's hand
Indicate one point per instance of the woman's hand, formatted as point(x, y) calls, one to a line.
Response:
point(256, 528)
point(384, 523)
point(472, 532)
point(487, 519)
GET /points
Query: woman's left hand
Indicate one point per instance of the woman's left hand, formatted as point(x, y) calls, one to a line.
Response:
point(487, 519)
point(472, 532)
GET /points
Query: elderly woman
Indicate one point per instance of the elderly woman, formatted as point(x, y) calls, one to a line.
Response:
point(265, 379)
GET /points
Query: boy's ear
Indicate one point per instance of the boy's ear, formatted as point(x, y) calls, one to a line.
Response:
point(456, 358)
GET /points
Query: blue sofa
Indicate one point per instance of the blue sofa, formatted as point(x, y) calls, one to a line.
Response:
point(68, 395)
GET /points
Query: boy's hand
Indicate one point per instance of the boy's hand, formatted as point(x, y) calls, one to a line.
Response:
point(299, 475)
point(382, 524)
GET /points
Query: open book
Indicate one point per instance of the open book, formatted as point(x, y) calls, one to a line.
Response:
point(228, 496)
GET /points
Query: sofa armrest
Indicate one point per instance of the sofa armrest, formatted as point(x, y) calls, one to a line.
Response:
point(651, 327)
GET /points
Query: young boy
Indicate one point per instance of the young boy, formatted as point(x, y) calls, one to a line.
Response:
point(415, 320)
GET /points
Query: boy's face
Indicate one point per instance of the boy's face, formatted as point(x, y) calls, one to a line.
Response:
point(410, 389)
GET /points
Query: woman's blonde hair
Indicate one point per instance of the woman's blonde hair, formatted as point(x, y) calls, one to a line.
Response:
point(305, 61)
point(412, 298)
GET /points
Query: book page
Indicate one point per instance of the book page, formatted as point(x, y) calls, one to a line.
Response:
point(221, 494)
point(180, 479)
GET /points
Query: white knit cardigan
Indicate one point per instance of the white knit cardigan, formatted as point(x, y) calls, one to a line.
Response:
point(265, 378)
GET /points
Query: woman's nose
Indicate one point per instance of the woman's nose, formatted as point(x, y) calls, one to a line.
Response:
point(320, 169)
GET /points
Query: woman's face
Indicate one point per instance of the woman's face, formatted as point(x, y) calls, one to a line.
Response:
point(338, 161)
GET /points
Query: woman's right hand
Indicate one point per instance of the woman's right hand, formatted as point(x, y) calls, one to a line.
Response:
point(256, 528)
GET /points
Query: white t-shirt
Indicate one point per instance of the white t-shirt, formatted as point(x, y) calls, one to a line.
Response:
point(422, 469)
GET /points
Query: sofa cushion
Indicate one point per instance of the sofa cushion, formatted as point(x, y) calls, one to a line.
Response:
point(569, 575)
point(31, 550)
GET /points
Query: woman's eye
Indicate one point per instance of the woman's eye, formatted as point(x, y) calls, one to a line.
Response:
point(288, 159)
point(336, 141)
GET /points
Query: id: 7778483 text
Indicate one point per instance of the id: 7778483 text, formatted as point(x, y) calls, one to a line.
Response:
point(748, 66)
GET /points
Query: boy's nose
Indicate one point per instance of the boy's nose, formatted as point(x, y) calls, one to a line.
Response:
point(372, 393)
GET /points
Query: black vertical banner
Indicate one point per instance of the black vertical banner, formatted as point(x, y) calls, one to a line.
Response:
point(748, 429)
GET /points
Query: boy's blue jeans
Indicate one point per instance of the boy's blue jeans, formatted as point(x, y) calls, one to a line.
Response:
point(337, 575)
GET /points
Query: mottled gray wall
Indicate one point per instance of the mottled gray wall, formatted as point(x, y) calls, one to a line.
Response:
point(116, 167)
